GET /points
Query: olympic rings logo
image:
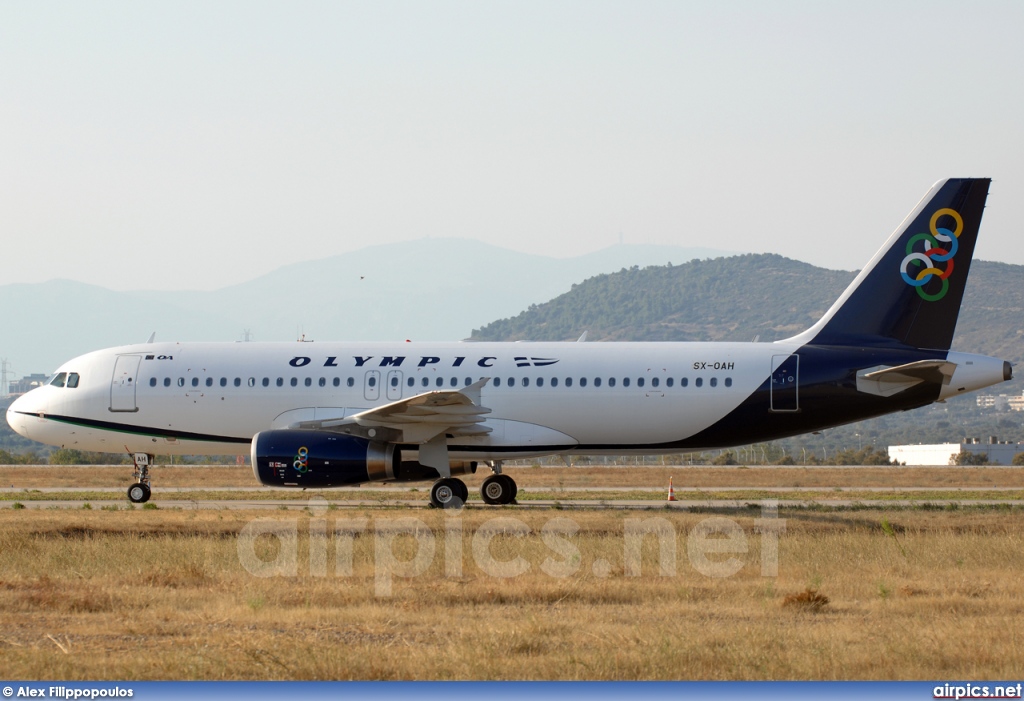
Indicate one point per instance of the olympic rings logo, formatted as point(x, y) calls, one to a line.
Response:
point(301, 463)
point(939, 247)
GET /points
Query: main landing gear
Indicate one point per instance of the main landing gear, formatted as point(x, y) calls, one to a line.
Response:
point(451, 492)
point(499, 489)
point(140, 492)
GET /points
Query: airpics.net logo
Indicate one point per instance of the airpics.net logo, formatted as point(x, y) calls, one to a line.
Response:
point(933, 257)
point(501, 547)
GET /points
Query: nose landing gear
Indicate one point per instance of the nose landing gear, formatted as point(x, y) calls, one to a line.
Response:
point(140, 492)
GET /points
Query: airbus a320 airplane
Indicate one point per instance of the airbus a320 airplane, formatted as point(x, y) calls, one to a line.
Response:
point(332, 414)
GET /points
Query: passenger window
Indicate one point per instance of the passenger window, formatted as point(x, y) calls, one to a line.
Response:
point(655, 382)
point(279, 381)
point(294, 382)
point(554, 381)
point(540, 381)
point(568, 382)
point(323, 382)
point(684, 381)
point(152, 382)
point(238, 382)
point(511, 382)
point(670, 381)
point(410, 382)
point(308, 382)
point(350, 382)
point(639, 382)
point(625, 382)
point(698, 382)
point(181, 381)
point(337, 382)
point(167, 382)
point(73, 380)
point(266, 381)
point(195, 381)
point(439, 381)
point(223, 382)
point(425, 382)
point(496, 382)
point(583, 382)
point(714, 381)
point(394, 382)
point(252, 382)
point(209, 382)
point(526, 382)
point(597, 381)
point(728, 382)
point(469, 381)
point(454, 382)
point(372, 381)
point(611, 381)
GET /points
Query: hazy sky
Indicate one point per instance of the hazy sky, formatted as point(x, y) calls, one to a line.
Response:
point(171, 145)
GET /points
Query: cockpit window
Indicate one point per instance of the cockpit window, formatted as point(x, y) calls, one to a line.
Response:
point(59, 379)
point(72, 380)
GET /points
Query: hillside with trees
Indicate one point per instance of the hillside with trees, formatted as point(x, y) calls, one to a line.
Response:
point(740, 298)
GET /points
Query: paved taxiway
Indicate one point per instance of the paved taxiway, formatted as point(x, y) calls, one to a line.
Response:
point(631, 504)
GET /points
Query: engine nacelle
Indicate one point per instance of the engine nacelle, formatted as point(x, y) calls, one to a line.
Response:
point(295, 458)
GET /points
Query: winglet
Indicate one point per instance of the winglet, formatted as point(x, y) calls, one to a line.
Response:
point(473, 391)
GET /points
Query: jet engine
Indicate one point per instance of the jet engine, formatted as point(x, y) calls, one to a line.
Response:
point(313, 459)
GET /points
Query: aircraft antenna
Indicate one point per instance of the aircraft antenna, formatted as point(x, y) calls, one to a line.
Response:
point(246, 335)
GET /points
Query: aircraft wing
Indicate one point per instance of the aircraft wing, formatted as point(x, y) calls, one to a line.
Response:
point(886, 381)
point(416, 419)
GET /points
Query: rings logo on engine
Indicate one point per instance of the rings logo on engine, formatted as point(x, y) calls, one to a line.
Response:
point(938, 247)
point(301, 463)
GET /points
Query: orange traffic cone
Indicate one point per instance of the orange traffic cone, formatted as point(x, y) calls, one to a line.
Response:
point(671, 492)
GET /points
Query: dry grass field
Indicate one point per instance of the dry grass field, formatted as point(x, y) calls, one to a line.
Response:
point(555, 477)
point(171, 594)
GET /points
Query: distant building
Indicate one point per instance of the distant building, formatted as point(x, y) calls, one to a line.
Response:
point(998, 452)
point(1002, 402)
point(1016, 403)
point(27, 384)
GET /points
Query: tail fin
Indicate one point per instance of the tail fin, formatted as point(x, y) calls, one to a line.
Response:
point(910, 292)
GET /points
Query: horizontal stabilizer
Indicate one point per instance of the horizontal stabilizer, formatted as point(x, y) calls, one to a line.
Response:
point(885, 381)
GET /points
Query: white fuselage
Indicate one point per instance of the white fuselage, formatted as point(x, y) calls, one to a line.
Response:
point(211, 398)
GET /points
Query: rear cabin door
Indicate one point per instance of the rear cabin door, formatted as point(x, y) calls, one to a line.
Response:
point(785, 383)
point(122, 386)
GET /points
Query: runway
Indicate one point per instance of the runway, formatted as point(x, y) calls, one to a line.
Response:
point(553, 504)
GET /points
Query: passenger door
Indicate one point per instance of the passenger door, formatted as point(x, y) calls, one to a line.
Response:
point(122, 385)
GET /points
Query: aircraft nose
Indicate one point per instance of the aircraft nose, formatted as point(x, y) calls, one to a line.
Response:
point(20, 413)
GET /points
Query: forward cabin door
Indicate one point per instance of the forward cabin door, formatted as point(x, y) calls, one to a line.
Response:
point(122, 385)
point(785, 383)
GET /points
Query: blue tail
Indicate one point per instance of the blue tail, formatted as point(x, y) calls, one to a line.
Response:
point(910, 292)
